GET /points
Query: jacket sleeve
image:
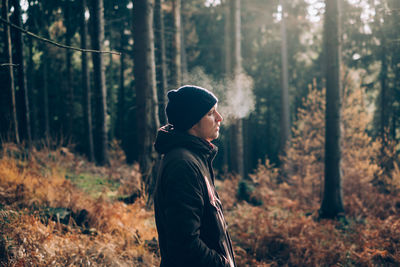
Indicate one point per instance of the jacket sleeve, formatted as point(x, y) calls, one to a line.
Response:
point(183, 212)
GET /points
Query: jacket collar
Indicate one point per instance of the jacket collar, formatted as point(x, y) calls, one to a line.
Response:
point(169, 138)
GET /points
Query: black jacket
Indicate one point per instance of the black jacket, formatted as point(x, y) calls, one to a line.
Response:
point(191, 227)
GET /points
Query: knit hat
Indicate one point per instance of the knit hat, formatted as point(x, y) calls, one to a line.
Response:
point(187, 105)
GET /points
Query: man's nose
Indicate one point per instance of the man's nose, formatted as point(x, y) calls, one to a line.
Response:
point(219, 117)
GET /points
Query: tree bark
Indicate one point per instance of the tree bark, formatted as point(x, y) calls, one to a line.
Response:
point(161, 65)
point(110, 74)
point(285, 109)
point(184, 66)
point(8, 52)
point(176, 68)
point(145, 85)
point(237, 149)
point(228, 72)
point(97, 35)
point(332, 204)
point(32, 92)
point(46, 116)
point(22, 94)
point(384, 120)
point(119, 131)
point(87, 103)
point(68, 62)
point(228, 40)
point(396, 67)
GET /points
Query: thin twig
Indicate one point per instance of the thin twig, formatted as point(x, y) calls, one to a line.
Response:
point(55, 43)
point(8, 64)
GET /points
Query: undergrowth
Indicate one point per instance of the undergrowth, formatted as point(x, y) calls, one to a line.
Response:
point(46, 219)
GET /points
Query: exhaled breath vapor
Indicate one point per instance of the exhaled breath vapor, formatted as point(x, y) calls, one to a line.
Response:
point(236, 98)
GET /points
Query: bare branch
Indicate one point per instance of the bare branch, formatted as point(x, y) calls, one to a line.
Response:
point(8, 64)
point(55, 43)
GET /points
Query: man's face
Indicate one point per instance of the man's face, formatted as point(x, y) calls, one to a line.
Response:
point(208, 127)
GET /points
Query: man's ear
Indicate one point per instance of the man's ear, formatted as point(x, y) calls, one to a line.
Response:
point(193, 130)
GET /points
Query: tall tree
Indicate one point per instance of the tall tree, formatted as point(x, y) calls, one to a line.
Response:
point(145, 85)
point(383, 76)
point(176, 67)
point(8, 52)
point(32, 92)
point(381, 32)
point(69, 92)
point(395, 6)
point(237, 152)
point(97, 36)
point(119, 127)
point(332, 203)
point(87, 103)
point(22, 95)
point(32, 89)
point(161, 65)
point(285, 110)
point(45, 93)
point(40, 17)
point(184, 65)
point(227, 67)
point(227, 38)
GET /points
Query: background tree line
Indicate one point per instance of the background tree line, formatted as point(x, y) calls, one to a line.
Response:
point(90, 99)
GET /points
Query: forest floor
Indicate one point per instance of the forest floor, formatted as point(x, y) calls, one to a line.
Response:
point(57, 209)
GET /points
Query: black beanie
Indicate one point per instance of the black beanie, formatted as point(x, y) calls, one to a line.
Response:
point(187, 105)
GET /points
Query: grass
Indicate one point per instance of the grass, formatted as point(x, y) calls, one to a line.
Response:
point(94, 185)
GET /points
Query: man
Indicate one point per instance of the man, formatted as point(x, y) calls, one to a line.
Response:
point(191, 227)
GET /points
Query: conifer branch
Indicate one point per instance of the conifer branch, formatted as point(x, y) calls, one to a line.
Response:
point(55, 43)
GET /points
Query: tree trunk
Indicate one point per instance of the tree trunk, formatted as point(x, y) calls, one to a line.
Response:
point(110, 96)
point(228, 68)
point(384, 114)
point(268, 124)
point(99, 83)
point(69, 92)
point(332, 204)
point(285, 110)
point(119, 131)
point(176, 45)
point(22, 94)
point(32, 92)
point(236, 50)
point(8, 52)
point(237, 150)
point(145, 85)
point(87, 105)
point(381, 23)
point(46, 116)
point(396, 63)
point(184, 67)
point(228, 39)
point(161, 60)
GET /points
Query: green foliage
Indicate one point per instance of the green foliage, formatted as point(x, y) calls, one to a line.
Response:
point(93, 184)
